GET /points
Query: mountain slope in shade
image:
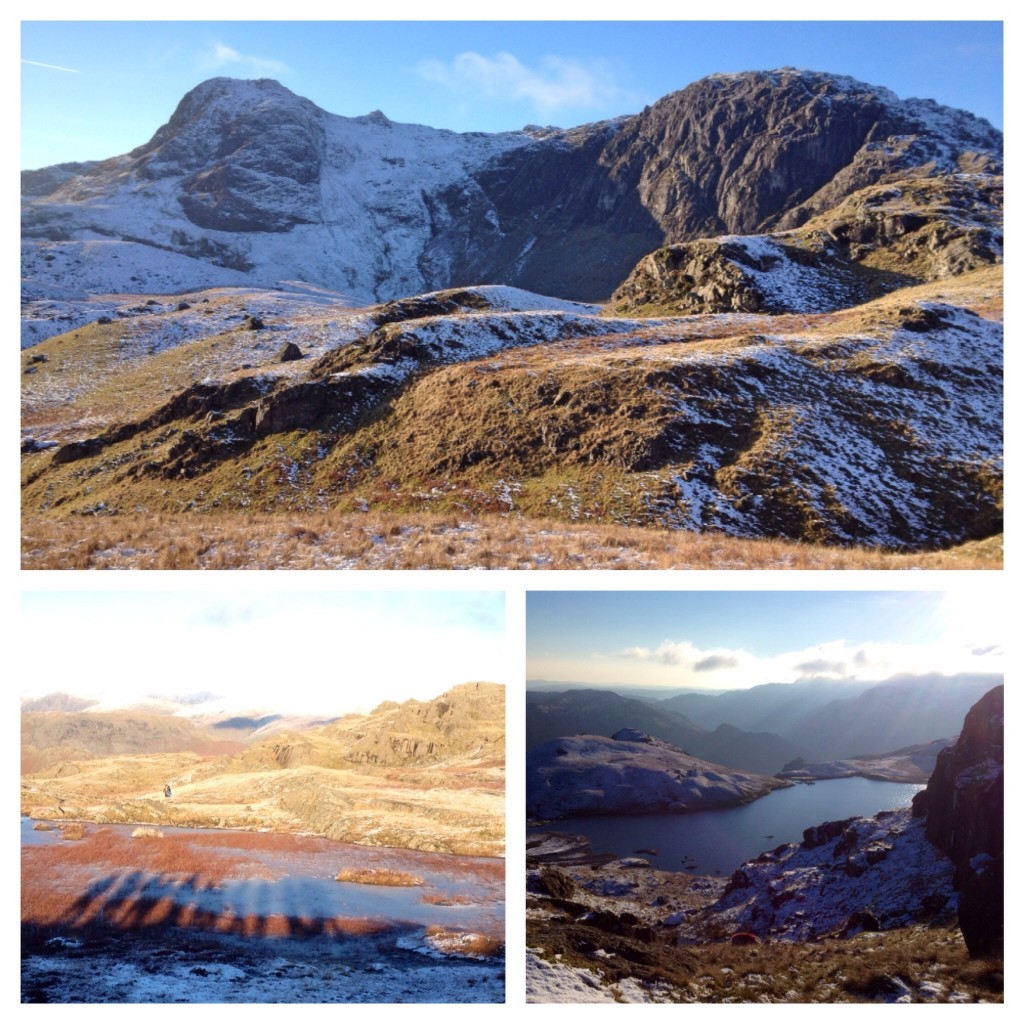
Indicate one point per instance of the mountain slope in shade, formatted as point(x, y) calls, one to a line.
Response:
point(896, 714)
point(831, 720)
point(263, 186)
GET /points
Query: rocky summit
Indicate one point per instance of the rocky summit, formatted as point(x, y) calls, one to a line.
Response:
point(269, 308)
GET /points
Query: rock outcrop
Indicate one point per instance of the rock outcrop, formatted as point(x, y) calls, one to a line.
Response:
point(964, 807)
point(878, 239)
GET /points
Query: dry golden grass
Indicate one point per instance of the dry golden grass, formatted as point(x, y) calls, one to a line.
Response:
point(147, 833)
point(73, 830)
point(425, 541)
point(377, 876)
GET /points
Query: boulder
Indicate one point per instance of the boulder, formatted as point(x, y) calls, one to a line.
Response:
point(288, 353)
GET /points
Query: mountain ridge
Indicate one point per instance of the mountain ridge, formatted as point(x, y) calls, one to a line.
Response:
point(242, 163)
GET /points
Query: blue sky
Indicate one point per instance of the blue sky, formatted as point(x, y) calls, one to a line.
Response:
point(726, 639)
point(315, 651)
point(97, 89)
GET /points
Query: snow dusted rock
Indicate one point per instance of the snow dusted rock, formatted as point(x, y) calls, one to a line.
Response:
point(882, 866)
point(909, 764)
point(738, 274)
point(637, 774)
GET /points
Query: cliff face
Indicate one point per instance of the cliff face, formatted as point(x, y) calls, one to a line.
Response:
point(964, 808)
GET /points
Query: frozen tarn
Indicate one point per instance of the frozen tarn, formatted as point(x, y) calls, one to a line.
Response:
point(163, 970)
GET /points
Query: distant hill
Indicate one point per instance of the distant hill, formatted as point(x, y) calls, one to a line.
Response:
point(57, 702)
point(49, 736)
point(774, 707)
point(604, 712)
point(894, 714)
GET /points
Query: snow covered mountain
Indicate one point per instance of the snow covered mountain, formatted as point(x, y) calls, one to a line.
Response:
point(630, 773)
point(248, 183)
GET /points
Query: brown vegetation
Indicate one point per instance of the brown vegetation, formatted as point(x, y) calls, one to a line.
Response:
point(424, 541)
point(440, 899)
point(555, 455)
point(423, 775)
point(926, 964)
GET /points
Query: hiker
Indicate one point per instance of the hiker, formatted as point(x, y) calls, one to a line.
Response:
point(167, 791)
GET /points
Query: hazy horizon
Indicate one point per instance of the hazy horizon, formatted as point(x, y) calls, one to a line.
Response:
point(309, 652)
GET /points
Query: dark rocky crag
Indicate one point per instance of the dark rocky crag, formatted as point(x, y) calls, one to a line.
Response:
point(964, 807)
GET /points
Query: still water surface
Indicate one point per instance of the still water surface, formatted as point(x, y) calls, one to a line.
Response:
point(719, 841)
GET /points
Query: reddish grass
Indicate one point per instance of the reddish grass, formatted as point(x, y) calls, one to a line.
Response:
point(173, 855)
point(377, 876)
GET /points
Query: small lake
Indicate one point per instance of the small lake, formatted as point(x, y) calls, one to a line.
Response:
point(304, 885)
point(719, 841)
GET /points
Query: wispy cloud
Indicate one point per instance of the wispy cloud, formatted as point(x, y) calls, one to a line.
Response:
point(221, 56)
point(682, 663)
point(556, 83)
point(52, 67)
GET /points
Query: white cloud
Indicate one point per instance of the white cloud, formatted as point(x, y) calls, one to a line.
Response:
point(558, 82)
point(678, 663)
point(223, 56)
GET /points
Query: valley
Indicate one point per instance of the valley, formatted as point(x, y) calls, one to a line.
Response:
point(853, 896)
